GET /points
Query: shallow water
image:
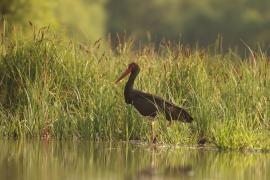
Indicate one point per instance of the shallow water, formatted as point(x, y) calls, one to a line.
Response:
point(24, 160)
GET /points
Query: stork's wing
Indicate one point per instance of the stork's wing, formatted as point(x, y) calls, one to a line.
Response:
point(148, 104)
point(144, 104)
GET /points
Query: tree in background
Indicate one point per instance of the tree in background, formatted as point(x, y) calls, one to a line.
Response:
point(192, 21)
point(188, 21)
point(19, 13)
point(80, 19)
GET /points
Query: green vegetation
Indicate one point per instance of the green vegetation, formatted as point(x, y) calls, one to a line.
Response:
point(189, 21)
point(192, 21)
point(75, 19)
point(49, 87)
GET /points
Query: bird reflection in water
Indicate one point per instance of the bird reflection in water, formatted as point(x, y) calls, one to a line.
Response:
point(169, 172)
point(161, 171)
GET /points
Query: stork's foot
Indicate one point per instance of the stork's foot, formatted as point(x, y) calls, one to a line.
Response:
point(202, 141)
point(154, 140)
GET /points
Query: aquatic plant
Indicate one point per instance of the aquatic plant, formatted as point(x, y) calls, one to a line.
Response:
point(61, 89)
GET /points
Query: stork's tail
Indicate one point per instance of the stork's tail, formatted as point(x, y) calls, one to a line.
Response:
point(186, 117)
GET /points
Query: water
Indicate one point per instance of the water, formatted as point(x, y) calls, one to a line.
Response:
point(22, 160)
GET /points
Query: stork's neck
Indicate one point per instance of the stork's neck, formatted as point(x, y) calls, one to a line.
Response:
point(128, 93)
point(131, 79)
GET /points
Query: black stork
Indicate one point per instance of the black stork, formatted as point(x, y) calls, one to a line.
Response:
point(148, 104)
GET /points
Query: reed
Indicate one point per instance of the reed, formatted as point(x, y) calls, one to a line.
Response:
point(53, 88)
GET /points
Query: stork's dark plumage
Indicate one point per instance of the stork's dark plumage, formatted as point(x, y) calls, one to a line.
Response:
point(148, 104)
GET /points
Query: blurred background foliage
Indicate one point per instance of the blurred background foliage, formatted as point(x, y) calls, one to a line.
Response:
point(80, 19)
point(187, 21)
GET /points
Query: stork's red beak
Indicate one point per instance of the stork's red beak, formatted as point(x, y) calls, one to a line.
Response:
point(124, 74)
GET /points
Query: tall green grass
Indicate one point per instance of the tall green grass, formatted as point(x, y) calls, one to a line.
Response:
point(53, 88)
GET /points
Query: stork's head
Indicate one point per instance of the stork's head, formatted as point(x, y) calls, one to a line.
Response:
point(133, 68)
